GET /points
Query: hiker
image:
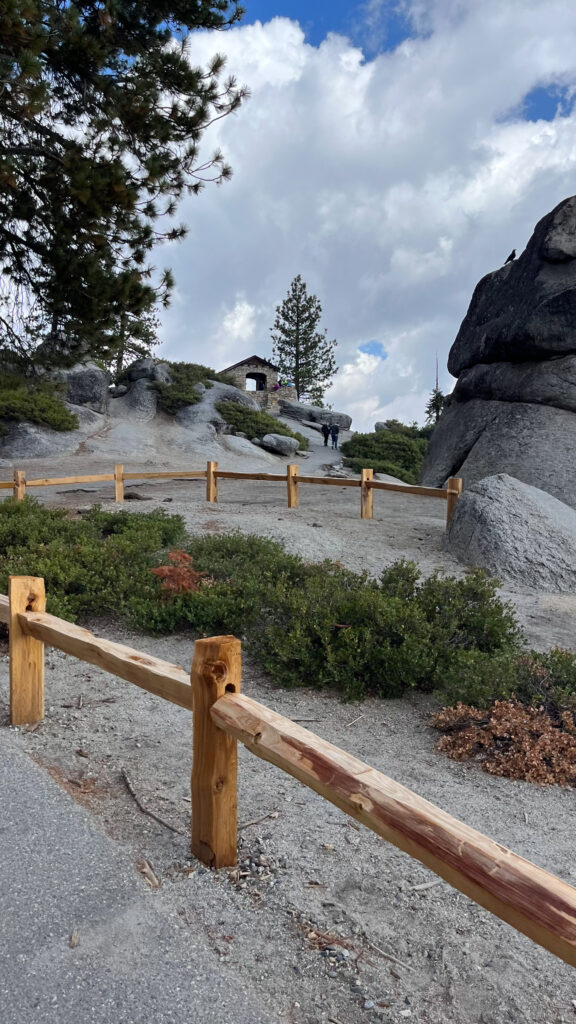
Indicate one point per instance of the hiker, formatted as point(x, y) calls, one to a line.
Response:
point(334, 431)
point(325, 433)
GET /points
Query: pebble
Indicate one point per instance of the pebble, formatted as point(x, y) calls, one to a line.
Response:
point(368, 1005)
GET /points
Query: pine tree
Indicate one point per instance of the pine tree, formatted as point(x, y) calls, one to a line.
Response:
point(303, 353)
point(101, 118)
point(434, 405)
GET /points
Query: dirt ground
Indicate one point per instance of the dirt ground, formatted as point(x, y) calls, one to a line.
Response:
point(333, 924)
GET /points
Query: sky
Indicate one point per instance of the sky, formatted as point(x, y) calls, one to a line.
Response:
point(390, 153)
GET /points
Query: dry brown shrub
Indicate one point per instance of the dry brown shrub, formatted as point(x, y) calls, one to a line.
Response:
point(512, 740)
point(180, 577)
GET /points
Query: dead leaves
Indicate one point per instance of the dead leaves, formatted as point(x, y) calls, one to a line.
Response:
point(512, 740)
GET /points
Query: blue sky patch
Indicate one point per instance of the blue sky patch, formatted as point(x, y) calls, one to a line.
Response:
point(543, 103)
point(373, 348)
point(376, 25)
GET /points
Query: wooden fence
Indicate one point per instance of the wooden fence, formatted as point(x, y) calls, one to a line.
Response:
point(533, 901)
point(212, 475)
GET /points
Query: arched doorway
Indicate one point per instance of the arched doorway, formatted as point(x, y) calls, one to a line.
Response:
point(256, 382)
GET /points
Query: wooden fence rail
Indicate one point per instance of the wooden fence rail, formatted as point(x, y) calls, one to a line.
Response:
point(212, 474)
point(530, 899)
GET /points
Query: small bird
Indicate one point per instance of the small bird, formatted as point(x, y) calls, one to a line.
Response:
point(511, 257)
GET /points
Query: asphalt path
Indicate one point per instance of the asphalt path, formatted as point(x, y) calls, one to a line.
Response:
point(83, 938)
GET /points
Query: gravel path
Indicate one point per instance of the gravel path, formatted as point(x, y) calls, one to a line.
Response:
point(326, 920)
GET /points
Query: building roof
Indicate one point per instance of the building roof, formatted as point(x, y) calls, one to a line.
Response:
point(251, 359)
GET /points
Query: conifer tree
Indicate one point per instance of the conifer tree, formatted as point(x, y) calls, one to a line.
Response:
point(436, 402)
point(303, 353)
point(435, 405)
point(101, 118)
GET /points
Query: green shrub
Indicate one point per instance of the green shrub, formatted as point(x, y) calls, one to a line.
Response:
point(174, 396)
point(91, 566)
point(32, 401)
point(385, 451)
point(309, 624)
point(546, 680)
point(256, 424)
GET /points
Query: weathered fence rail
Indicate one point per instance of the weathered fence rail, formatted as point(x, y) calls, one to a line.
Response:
point(529, 898)
point(212, 474)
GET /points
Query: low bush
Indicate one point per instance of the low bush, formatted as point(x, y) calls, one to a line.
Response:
point(90, 566)
point(174, 396)
point(546, 680)
point(309, 624)
point(397, 453)
point(322, 625)
point(34, 401)
point(256, 424)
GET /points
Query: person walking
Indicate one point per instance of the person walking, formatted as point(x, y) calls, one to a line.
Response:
point(325, 433)
point(334, 431)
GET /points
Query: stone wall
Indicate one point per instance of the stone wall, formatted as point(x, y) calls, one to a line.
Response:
point(265, 374)
point(268, 396)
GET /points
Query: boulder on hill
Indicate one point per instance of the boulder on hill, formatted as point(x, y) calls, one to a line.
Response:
point(86, 384)
point(300, 411)
point(517, 533)
point(513, 409)
point(141, 368)
point(280, 444)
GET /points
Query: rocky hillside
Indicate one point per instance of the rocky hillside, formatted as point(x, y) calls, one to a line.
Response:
point(129, 422)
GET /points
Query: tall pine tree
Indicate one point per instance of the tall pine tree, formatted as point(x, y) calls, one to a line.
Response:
point(101, 118)
point(303, 353)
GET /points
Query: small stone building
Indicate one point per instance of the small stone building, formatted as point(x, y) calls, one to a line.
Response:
point(260, 378)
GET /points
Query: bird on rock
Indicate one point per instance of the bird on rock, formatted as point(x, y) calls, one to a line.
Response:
point(511, 257)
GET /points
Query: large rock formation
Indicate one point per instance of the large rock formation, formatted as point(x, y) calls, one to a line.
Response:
point(517, 533)
point(86, 384)
point(513, 408)
point(314, 413)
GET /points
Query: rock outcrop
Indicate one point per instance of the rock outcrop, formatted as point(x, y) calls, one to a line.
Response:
point(130, 424)
point(315, 414)
point(513, 408)
point(279, 444)
point(29, 441)
point(516, 532)
point(86, 384)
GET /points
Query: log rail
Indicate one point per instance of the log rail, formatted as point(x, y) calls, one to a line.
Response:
point(532, 900)
point(212, 474)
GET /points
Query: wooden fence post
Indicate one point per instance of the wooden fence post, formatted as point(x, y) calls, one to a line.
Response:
point(211, 481)
point(26, 593)
point(19, 484)
point(119, 483)
point(366, 494)
point(216, 670)
point(453, 492)
point(292, 486)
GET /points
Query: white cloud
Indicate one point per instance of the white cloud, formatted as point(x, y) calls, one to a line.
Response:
point(392, 185)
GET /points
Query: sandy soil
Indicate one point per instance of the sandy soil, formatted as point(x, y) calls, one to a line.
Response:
point(402, 945)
